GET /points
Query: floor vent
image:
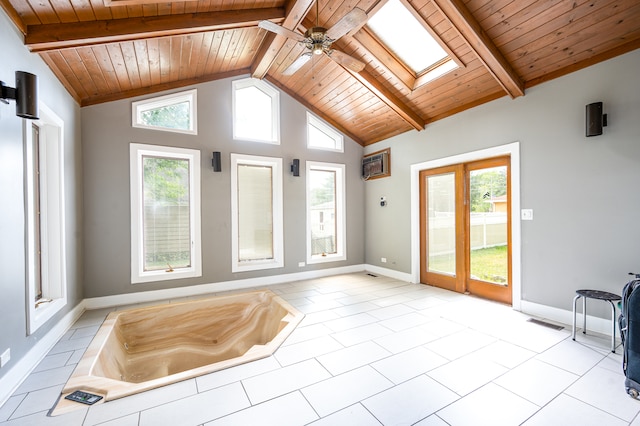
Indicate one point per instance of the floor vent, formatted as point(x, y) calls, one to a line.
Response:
point(545, 324)
point(374, 276)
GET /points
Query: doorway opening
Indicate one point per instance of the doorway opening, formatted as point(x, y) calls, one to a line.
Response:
point(511, 151)
point(465, 232)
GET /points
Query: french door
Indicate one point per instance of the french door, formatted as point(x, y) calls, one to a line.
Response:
point(465, 229)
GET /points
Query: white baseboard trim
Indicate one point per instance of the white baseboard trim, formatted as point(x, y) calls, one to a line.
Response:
point(25, 365)
point(401, 276)
point(173, 293)
point(595, 324)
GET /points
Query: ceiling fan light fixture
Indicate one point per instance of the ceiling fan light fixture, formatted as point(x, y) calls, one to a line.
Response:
point(318, 40)
point(318, 48)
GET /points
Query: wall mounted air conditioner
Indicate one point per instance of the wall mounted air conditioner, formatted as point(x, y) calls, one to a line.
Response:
point(376, 165)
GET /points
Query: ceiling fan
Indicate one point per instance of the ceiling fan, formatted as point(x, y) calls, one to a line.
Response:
point(318, 40)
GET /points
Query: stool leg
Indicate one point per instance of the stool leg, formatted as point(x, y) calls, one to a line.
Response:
point(584, 315)
point(575, 301)
point(613, 327)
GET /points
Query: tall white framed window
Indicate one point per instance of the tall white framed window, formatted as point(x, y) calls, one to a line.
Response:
point(257, 240)
point(176, 112)
point(256, 111)
point(322, 136)
point(165, 213)
point(45, 217)
point(326, 212)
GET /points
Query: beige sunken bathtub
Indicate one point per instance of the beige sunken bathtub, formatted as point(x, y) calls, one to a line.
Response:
point(139, 349)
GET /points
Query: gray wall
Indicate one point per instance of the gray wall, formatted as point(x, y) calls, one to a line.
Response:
point(586, 230)
point(13, 325)
point(107, 133)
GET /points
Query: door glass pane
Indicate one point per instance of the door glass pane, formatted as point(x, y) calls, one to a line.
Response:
point(255, 212)
point(488, 225)
point(441, 229)
point(167, 227)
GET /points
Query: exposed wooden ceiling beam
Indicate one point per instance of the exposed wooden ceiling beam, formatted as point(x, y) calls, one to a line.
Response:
point(58, 36)
point(386, 96)
point(295, 12)
point(470, 30)
point(385, 58)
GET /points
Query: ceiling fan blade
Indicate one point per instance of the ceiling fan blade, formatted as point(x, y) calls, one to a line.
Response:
point(356, 18)
point(297, 64)
point(345, 60)
point(275, 28)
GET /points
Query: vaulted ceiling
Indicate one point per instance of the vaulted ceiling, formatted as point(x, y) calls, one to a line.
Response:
point(104, 50)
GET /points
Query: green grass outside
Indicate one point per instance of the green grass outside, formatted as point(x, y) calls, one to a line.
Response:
point(488, 264)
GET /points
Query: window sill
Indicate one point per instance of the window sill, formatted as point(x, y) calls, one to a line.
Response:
point(148, 277)
point(40, 314)
point(257, 265)
point(327, 258)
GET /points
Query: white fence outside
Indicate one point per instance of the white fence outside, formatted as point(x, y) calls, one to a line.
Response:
point(487, 230)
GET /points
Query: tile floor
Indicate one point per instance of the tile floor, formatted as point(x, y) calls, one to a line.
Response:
point(370, 351)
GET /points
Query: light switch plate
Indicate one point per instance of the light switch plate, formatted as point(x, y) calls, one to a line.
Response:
point(526, 214)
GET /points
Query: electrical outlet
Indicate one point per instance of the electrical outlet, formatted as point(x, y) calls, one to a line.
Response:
point(5, 357)
point(301, 264)
point(383, 259)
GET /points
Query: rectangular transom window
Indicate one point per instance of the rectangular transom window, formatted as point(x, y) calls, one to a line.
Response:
point(326, 231)
point(165, 213)
point(257, 216)
point(322, 136)
point(256, 111)
point(176, 112)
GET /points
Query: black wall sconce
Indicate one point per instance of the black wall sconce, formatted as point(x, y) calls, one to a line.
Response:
point(295, 167)
point(216, 162)
point(596, 120)
point(25, 94)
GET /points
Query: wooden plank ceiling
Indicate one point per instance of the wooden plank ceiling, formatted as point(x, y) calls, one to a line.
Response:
point(103, 50)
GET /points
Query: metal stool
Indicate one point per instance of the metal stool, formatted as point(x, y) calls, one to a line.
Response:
point(599, 295)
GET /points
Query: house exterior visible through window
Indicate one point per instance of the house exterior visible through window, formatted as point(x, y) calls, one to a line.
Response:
point(326, 232)
point(414, 43)
point(257, 215)
point(322, 136)
point(176, 112)
point(256, 111)
point(45, 218)
point(165, 212)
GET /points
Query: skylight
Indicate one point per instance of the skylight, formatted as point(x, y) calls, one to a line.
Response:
point(406, 37)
